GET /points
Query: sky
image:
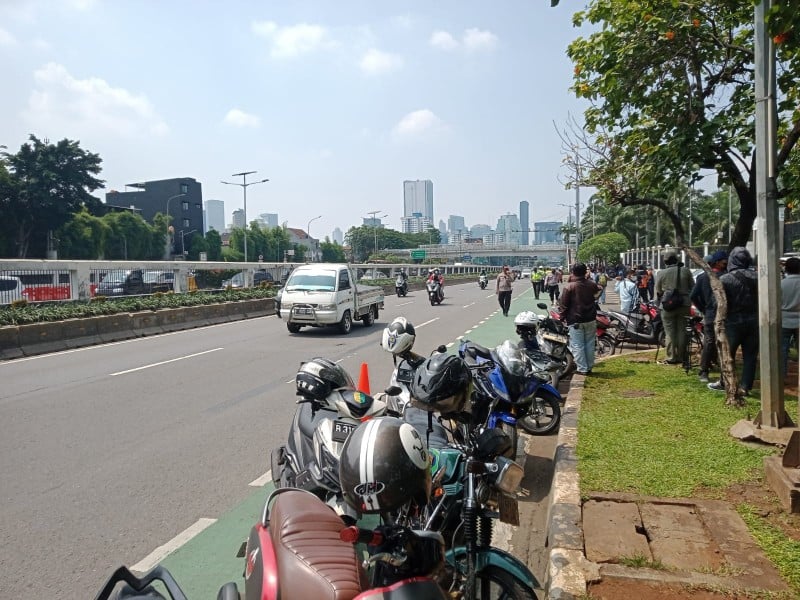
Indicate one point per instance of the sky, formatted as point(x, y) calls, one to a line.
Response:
point(335, 102)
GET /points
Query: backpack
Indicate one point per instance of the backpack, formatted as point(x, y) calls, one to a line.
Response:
point(603, 279)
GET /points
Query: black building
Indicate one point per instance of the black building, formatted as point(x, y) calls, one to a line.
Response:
point(181, 198)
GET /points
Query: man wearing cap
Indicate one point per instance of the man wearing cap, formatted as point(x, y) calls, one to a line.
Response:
point(703, 298)
point(674, 277)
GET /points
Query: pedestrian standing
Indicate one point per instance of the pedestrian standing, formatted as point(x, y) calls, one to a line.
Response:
point(602, 281)
point(537, 278)
point(703, 299)
point(790, 309)
point(643, 283)
point(741, 324)
point(551, 285)
point(674, 278)
point(627, 290)
point(503, 289)
point(578, 309)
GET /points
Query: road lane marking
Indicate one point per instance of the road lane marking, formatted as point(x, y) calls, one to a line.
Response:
point(404, 303)
point(491, 295)
point(263, 480)
point(160, 553)
point(164, 362)
point(450, 345)
point(468, 305)
point(468, 331)
point(426, 323)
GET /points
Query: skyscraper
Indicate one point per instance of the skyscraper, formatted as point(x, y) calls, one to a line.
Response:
point(418, 198)
point(238, 218)
point(337, 235)
point(270, 219)
point(215, 215)
point(455, 224)
point(547, 232)
point(508, 227)
point(523, 222)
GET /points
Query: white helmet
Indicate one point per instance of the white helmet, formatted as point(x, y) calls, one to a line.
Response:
point(526, 318)
point(399, 336)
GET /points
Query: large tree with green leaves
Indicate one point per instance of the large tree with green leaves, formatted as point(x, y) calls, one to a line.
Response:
point(671, 92)
point(48, 184)
point(603, 249)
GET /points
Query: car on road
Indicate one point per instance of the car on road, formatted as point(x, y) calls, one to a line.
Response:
point(526, 272)
point(259, 277)
point(10, 289)
point(159, 281)
point(122, 283)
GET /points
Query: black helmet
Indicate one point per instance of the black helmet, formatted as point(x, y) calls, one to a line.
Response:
point(316, 379)
point(384, 464)
point(441, 384)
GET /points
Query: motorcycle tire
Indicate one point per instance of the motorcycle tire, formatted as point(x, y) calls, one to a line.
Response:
point(433, 301)
point(494, 582)
point(545, 414)
point(604, 346)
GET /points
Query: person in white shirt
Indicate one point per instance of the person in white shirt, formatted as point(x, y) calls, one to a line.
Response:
point(628, 293)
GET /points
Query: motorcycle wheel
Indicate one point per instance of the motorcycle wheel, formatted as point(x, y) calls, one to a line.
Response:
point(433, 300)
point(399, 293)
point(545, 414)
point(604, 345)
point(494, 582)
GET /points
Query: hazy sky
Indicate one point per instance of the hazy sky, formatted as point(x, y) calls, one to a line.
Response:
point(336, 102)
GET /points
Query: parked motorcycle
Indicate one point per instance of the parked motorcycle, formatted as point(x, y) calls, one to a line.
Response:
point(435, 292)
point(641, 326)
point(553, 338)
point(400, 286)
point(330, 409)
point(483, 281)
point(141, 587)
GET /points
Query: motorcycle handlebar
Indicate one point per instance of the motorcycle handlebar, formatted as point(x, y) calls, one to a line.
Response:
point(357, 535)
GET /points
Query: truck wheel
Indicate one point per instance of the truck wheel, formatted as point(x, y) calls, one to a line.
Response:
point(346, 324)
point(293, 327)
point(369, 318)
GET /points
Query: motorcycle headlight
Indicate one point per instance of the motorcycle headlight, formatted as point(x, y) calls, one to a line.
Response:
point(509, 475)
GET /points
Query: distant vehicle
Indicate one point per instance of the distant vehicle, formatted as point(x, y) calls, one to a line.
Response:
point(43, 286)
point(159, 281)
point(122, 283)
point(10, 289)
point(259, 277)
point(374, 275)
point(526, 273)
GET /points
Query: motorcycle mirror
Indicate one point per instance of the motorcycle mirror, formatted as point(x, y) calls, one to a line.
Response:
point(393, 390)
point(542, 305)
point(441, 349)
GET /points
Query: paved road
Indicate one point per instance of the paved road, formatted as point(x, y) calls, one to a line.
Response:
point(108, 452)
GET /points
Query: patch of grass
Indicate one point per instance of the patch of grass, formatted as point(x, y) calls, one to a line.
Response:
point(782, 551)
point(640, 561)
point(669, 442)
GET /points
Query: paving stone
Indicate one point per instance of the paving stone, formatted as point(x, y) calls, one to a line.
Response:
point(678, 537)
point(613, 530)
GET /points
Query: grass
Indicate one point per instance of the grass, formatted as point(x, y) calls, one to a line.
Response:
point(652, 430)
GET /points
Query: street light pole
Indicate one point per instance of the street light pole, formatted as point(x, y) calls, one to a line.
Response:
point(375, 226)
point(244, 185)
point(308, 233)
point(183, 245)
point(169, 217)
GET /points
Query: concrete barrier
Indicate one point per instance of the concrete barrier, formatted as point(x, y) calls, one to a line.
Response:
point(146, 323)
point(113, 328)
point(173, 319)
point(196, 316)
point(9, 342)
point(38, 338)
point(80, 332)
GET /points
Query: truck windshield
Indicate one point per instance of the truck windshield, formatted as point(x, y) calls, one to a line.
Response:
point(322, 282)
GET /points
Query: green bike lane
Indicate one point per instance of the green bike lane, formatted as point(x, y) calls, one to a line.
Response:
point(208, 559)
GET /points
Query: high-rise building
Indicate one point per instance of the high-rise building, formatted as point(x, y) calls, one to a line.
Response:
point(418, 198)
point(270, 220)
point(238, 218)
point(508, 226)
point(337, 236)
point(181, 198)
point(480, 230)
point(415, 224)
point(547, 232)
point(524, 222)
point(215, 215)
point(455, 224)
point(372, 222)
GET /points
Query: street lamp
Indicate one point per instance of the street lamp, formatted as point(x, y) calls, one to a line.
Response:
point(183, 245)
point(308, 233)
point(375, 226)
point(244, 185)
point(169, 216)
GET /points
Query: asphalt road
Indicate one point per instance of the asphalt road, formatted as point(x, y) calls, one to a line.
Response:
point(107, 452)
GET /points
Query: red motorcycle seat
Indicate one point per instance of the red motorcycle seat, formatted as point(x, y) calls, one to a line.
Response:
point(313, 562)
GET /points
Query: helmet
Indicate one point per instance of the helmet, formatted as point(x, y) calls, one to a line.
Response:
point(441, 383)
point(317, 377)
point(384, 464)
point(436, 271)
point(526, 322)
point(399, 336)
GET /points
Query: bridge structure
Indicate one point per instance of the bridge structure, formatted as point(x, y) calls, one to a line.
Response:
point(548, 255)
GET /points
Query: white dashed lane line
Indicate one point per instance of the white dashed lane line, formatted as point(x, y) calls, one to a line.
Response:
point(157, 555)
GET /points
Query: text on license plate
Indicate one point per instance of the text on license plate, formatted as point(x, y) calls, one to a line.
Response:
point(303, 311)
point(342, 430)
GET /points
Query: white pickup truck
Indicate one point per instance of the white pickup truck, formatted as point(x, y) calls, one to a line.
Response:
point(326, 294)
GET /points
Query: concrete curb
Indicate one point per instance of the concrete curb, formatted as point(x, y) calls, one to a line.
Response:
point(17, 341)
point(568, 566)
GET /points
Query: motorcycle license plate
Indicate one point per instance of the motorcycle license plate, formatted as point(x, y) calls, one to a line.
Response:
point(509, 510)
point(342, 430)
point(555, 337)
point(404, 375)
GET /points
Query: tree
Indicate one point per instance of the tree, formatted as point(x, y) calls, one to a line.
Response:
point(49, 182)
point(130, 237)
point(83, 237)
point(331, 251)
point(214, 243)
point(603, 249)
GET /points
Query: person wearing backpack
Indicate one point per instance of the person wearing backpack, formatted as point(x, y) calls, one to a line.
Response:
point(741, 324)
point(673, 285)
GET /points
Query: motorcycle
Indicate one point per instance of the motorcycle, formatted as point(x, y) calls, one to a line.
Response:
point(606, 343)
point(520, 398)
point(641, 326)
point(400, 286)
point(141, 588)
point(435, 293)
point(301, 549)
point(483, 281)
point(321, 424)
point(553, 338)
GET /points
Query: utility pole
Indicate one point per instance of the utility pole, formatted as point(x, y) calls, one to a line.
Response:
point(244, 185)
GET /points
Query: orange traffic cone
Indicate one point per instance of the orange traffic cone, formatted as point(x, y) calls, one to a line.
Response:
point(363, 379)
